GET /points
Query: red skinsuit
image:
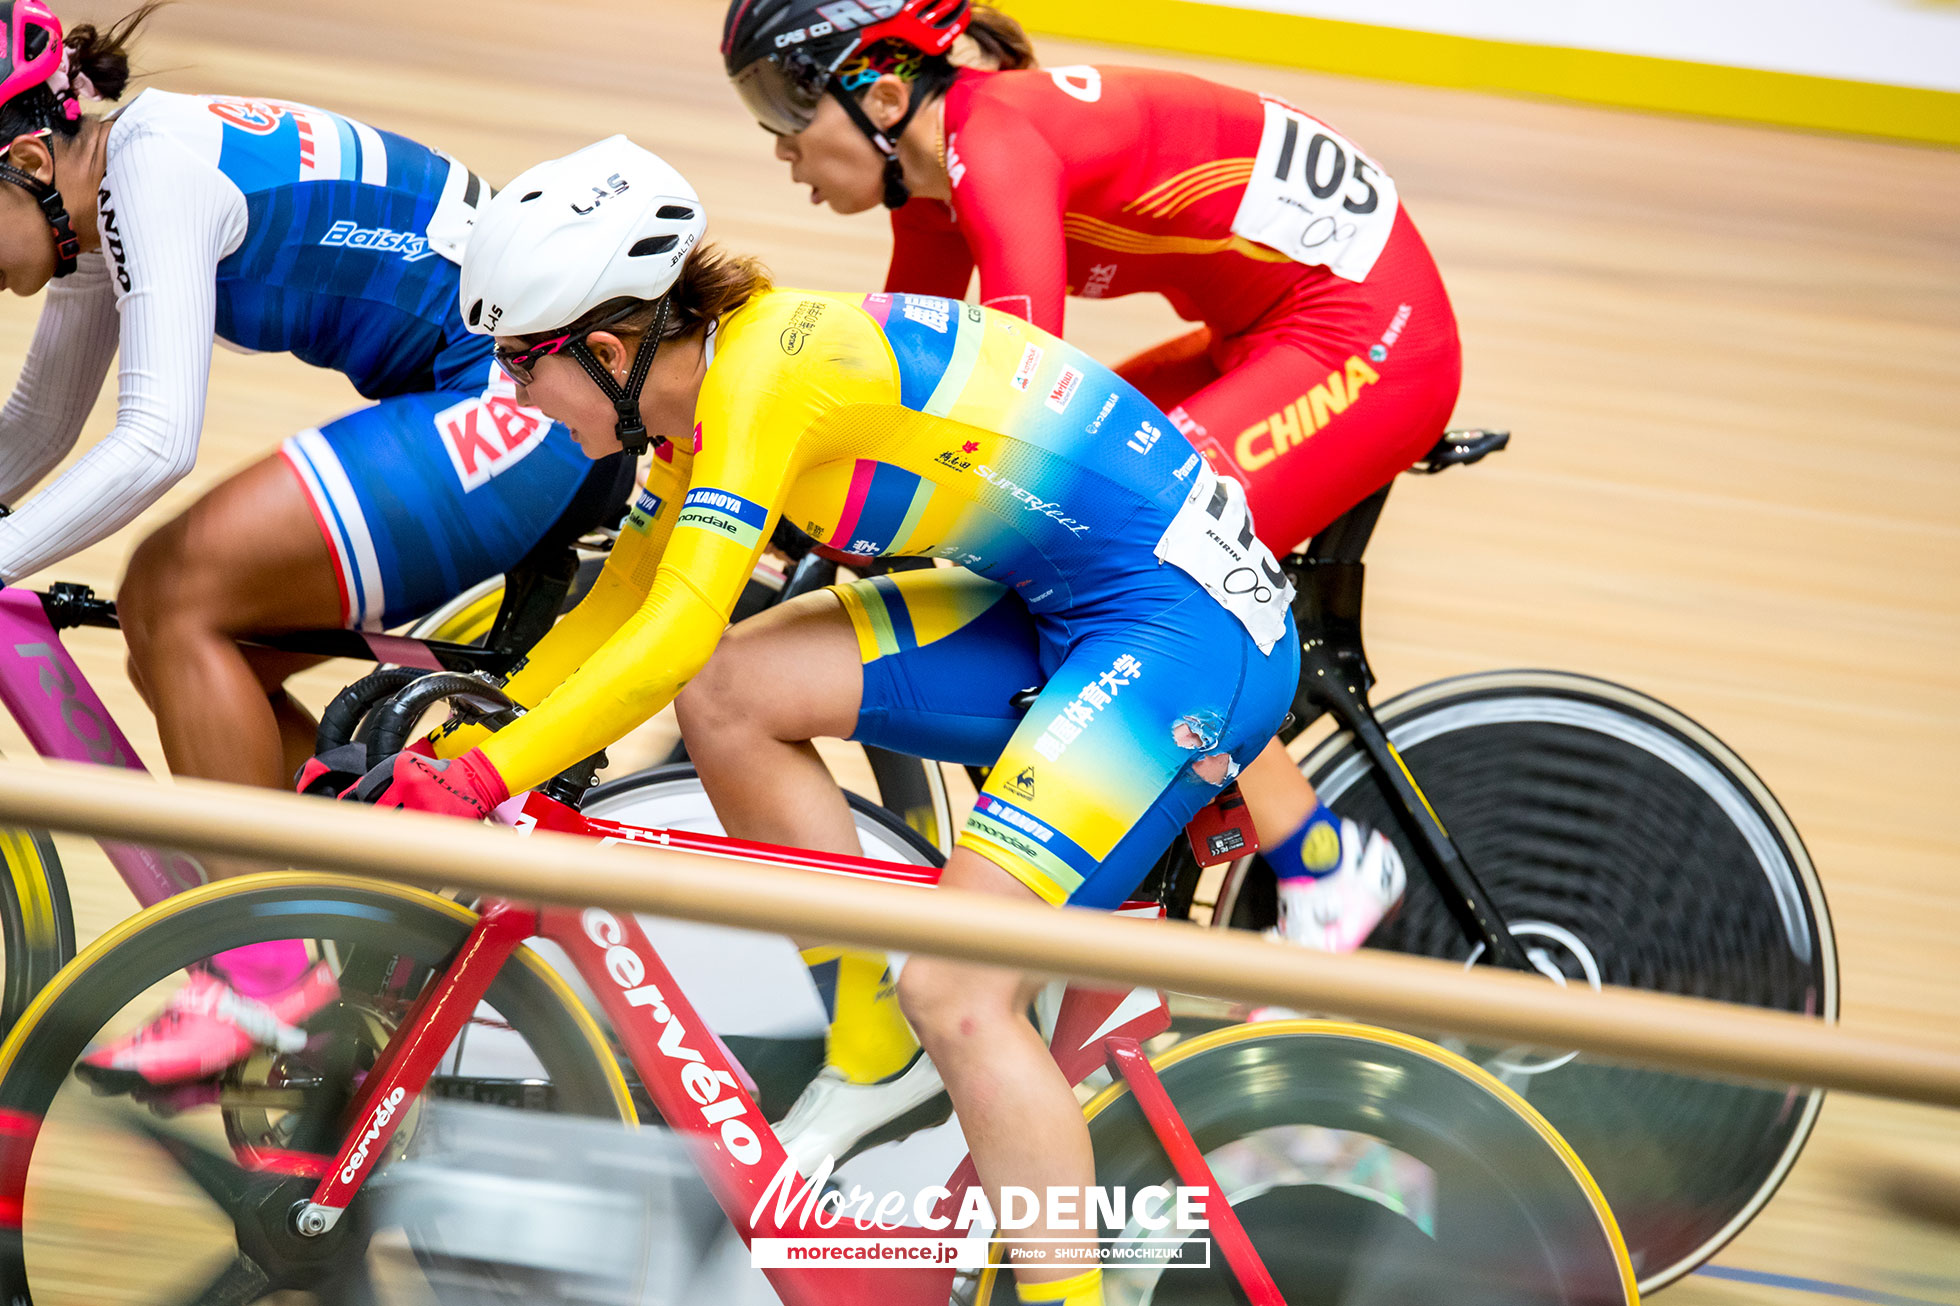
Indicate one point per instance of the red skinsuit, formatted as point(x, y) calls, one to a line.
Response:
point(1117, 181)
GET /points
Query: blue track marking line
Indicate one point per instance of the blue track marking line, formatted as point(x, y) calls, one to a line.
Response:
point(1822, 1287)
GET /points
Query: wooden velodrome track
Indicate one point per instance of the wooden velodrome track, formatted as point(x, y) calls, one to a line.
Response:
point(1731, 358)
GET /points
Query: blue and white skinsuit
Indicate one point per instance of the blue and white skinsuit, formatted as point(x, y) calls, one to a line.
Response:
point(275, 227)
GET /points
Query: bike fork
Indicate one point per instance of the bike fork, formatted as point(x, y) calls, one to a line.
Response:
point(1127, 1062)
point(1334, 686)
point(403, 1070)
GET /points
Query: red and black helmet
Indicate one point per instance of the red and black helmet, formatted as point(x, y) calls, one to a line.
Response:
point(784, 55)
point(35, 96)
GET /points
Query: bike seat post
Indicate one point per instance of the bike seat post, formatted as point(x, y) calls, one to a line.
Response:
point(1335, 677)
point(1327, 580)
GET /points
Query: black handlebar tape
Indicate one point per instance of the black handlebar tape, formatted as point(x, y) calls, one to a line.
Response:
point(351, 704)
point(390, 724)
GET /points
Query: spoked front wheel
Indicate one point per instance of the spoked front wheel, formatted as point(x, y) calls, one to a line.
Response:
point(187, 1195)
point(1367, 1166)
point(1623, 844)
point(37, 926)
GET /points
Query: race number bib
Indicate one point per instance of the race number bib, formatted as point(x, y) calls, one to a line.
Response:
point(1211, 540)
point(1314, 197)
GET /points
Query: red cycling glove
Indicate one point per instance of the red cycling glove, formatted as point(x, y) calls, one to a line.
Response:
point(466, 786)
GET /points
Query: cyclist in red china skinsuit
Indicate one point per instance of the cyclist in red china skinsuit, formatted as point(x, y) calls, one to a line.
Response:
point(1326, 360)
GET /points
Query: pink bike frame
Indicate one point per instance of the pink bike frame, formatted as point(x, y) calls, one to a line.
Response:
point(64, 718)
point(698, 1088)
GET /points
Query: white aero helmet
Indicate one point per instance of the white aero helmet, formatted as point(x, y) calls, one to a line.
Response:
point(609, 221)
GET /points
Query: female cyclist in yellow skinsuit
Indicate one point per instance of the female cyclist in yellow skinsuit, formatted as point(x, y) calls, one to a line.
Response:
point(1099, 557)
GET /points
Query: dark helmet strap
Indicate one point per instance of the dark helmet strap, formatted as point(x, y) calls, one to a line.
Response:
point(896, 193)
point(67, 247)
point(632, 431)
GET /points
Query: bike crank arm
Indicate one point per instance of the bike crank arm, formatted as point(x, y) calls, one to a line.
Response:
point(1328, 685)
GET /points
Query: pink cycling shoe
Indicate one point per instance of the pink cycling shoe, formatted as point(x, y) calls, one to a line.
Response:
point(207, 1028)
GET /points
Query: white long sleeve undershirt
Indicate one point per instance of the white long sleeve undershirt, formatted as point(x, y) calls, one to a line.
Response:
point(176, 216)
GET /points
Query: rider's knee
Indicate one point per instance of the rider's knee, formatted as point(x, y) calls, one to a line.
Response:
point(947, 1003)
point(727, 697)
point(154, 588)
point(139, 681)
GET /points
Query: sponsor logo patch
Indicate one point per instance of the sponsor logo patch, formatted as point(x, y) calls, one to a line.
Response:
point(801, 324)
point(112, 236)
point(1063, 390)
point(728, 515)
point(615, 185)
point(646, 507)
point(1030, 363)
point(489, 435)
point(346, 234)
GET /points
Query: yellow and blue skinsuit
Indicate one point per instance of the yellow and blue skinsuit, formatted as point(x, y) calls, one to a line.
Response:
point(912, 425)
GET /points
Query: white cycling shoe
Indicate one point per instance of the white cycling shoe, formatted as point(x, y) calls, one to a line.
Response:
point(833, 1114)
point(1337, 912)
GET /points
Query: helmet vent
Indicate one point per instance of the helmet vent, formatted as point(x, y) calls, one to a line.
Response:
point(530, 196)
point(476, 312)
point(35, 40)
point(652, 245)
point(675, 213)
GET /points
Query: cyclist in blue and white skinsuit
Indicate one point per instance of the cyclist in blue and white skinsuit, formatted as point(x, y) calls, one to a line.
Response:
point(269, 227)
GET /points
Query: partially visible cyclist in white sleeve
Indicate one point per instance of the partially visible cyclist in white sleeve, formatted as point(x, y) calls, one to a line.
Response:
point(273, 227)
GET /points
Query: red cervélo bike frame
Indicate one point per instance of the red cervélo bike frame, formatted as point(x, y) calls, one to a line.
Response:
point(698, 1088)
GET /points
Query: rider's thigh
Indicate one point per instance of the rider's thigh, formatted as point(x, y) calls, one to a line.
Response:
point(1333, 394)
point(790, 673)
point(945, 652)
point(244, 558)
point(1171, 372)
point(420, 496)
point(1312, 435)
point(1143, 723)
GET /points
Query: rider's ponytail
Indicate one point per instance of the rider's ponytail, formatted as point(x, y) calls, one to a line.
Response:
point(713, 282)
point(103, 56)
point(1002, 42)
point(97, 68)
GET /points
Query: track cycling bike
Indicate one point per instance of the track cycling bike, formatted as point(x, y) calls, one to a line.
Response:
point(1565, 825)
point(1333, 1162)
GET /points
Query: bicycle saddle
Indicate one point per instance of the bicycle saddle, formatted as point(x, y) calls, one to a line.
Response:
point(1460, 448)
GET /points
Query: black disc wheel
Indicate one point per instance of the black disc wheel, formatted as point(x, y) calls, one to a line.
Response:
point(1366, 1166)
point(1623, 844)
point(190, 1194)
